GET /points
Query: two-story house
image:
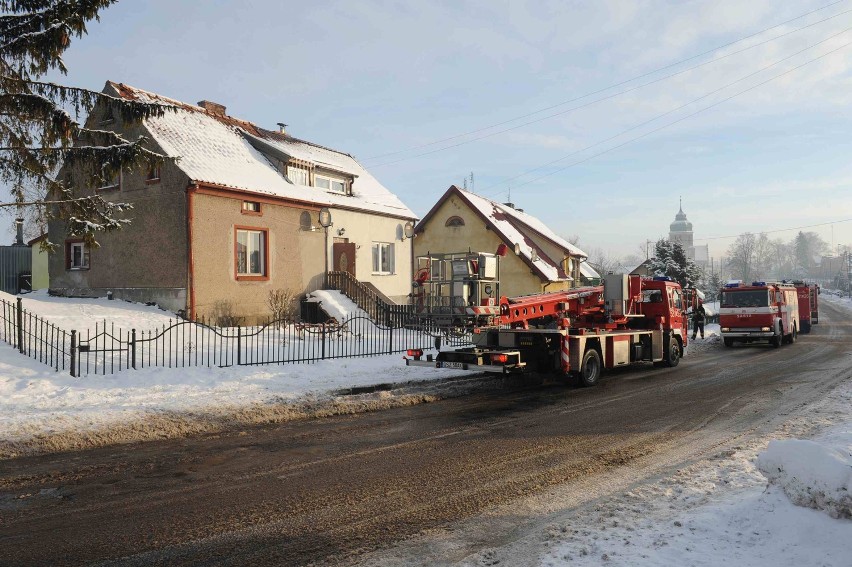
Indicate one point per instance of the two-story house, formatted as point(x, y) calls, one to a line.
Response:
point(543, 261)
point(242, 210)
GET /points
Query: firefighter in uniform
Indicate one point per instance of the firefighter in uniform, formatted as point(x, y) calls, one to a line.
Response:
point(699, 315)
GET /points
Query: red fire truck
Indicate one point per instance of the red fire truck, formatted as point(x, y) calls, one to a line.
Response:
point(808, 304)
point(577, 332)
point(761, 311)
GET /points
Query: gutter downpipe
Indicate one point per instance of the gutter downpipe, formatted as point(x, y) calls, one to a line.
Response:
point(190, 220)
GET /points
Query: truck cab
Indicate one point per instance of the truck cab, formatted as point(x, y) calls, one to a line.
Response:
point(760, 311)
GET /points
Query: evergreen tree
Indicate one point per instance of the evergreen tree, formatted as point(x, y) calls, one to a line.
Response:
point(41, 122)
point(670, 260)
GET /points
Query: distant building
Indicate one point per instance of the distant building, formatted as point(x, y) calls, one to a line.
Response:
point(681, 231)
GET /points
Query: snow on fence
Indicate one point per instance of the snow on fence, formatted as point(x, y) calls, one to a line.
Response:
point(109, 349)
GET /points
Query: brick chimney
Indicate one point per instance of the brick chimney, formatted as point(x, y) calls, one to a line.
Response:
point(212, 107)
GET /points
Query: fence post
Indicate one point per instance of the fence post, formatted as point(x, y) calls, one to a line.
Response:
point(20, 320)
point(390, 341)
point(239, 345)
point(74, 354)
point(133, 348)
point(323, 341)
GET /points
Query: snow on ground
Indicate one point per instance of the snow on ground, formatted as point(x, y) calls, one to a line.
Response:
point(336, 304)
point(41, 409)
point(712, 339)
point(74, 313)
point(787, 503)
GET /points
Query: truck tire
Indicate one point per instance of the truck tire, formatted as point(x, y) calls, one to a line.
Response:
point(729, 342)
point(806, 326)
point(673, 353)
point(775, 341)
point(590, 368)
point(793, 335)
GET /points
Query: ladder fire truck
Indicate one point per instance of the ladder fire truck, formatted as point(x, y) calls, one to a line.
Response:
point(808, 304)
point(577, 332)
point(762, 311)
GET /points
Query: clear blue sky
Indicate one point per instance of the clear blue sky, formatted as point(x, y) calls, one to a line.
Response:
point(371, 78)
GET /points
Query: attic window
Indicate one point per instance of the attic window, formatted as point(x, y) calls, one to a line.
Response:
point(111, 182)
point(333, 184)
point(108, 117)
point(153, 175)
point(454, 222)
point(251, 208)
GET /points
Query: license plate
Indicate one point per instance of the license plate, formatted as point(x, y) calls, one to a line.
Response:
point(451, 365)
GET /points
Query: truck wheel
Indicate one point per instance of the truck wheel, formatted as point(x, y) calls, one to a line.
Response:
point(672, 354)
point(775, 341)
point(794, 335)
point(729, 342)
point(590, 368)
point(806, 327)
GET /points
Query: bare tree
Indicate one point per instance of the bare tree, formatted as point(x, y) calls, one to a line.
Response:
point(741, 256)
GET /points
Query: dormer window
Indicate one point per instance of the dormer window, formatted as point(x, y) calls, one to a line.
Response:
point(333, 184)
point(297, 175)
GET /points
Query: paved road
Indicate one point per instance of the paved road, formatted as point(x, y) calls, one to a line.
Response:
point(329, 490)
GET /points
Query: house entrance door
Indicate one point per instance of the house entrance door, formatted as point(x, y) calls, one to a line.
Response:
point(343, 255)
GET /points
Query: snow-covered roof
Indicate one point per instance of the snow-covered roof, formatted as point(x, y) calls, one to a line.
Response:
point(587, 271)
point(218, 150)
point(515, 227)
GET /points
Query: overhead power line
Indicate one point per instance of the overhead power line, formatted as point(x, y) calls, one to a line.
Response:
point(664, 126)
point(615, 85)
point(775, 230)
point(672, 111)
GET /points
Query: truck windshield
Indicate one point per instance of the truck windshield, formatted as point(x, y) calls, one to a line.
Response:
point(758, 298)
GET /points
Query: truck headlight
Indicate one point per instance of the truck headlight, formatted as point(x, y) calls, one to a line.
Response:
point(725, 329)
point(765, 328)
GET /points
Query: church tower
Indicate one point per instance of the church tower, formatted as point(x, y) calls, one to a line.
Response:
point(681, 231)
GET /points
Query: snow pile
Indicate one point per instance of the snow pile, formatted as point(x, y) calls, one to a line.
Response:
point(336, 304)
point(816, 474)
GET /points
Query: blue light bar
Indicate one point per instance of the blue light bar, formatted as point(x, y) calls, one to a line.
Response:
point(663, 279)
point(758, 283)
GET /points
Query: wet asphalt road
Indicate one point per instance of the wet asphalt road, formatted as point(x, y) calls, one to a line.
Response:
point(327, 490)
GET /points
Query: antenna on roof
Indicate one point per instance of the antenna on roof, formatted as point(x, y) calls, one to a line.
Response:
point(464, 185)
point(472, 183)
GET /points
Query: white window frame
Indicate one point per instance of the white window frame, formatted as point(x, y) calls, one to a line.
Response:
point(84, 256)
point(297, 175)
point(262, 245)
point(330, 181)
point(383, 251)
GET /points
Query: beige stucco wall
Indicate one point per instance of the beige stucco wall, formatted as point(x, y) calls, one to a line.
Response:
point(516, 277)
point(364, 229)
point(295, 255)
point(41, 280)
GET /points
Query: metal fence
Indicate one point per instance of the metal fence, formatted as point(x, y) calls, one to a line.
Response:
point(109, 349)
point(35, 337)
